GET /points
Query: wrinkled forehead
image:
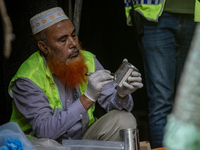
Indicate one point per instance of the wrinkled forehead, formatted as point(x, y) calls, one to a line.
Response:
point(46, 19)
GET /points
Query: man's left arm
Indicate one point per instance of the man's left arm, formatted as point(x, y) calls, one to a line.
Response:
point(113, 97)
point(110, 100)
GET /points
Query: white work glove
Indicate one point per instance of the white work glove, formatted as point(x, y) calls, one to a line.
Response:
point(96, 82)
point(133, 82)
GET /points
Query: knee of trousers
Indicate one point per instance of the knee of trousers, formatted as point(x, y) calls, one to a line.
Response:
point(124, 119)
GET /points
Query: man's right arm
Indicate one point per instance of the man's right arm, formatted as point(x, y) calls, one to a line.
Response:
point(34, 105)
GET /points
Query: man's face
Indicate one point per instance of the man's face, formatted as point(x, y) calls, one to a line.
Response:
point(63, 56)
point(62, 39)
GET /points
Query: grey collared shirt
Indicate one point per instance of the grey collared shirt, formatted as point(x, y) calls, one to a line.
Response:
point(33, 104)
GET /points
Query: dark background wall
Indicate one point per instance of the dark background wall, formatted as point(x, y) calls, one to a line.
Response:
point(103, 31)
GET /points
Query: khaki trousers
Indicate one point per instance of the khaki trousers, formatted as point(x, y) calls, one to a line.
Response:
point(108, 126)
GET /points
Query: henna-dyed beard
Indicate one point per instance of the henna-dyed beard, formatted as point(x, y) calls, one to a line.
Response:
point(71, 72)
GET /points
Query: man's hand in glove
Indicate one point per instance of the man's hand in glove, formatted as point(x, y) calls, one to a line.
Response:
point(96, 82)
point(133, 82)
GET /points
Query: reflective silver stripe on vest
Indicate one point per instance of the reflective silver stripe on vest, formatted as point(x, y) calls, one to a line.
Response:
point(127, 3)
point(137, 2)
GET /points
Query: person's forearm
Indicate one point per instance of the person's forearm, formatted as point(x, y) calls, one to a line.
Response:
point(34, 106)
point(110, 100)
point(120, 97)
point(86, 102)
point(52, 126)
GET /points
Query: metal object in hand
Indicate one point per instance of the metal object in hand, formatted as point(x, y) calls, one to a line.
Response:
point(90, 73)
point(123, 72)
point(130, 137)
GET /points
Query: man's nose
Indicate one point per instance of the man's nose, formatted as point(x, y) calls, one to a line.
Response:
point(72, 41)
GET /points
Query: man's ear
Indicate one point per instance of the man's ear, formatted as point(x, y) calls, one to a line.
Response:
point(42, 46)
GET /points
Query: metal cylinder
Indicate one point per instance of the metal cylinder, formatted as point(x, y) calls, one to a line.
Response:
point(130, 137)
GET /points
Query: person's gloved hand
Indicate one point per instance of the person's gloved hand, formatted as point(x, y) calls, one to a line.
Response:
point(133, 82)
point(96, 82)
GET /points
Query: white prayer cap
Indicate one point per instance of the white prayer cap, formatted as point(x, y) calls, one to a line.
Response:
point(46, 19)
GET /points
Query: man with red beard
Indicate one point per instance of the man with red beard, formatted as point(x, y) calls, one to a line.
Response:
point(52, 97)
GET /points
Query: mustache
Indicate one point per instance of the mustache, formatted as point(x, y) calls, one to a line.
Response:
point(75, 49)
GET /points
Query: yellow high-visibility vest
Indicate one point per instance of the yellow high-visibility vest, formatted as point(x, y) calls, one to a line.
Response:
point(34, 69)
